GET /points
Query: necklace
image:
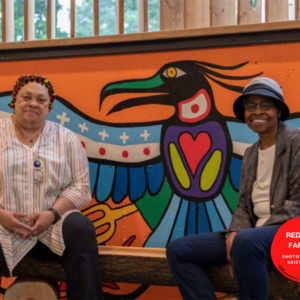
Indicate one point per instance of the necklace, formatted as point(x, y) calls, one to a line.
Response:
point(32, 139)
point(38, 177)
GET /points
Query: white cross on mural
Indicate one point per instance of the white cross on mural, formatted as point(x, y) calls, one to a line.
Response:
point(124, 137)
point(145, 135)
point(83, 127)
point(63, 118)
point(103, 134)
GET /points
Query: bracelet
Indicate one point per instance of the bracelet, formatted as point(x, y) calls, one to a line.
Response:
point(56, 214)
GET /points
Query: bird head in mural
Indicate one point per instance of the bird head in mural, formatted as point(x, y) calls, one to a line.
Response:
point(182, 85)
point(195, 141)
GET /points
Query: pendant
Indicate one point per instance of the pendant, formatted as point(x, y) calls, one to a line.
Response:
point(38, 177)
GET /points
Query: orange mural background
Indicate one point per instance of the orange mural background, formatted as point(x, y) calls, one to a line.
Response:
point(80, 81)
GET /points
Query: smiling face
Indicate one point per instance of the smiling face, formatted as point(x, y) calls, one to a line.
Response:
point(32, 105)
point(262, 121)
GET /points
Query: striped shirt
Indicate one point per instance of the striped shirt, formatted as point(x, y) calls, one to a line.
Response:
point(65, 172)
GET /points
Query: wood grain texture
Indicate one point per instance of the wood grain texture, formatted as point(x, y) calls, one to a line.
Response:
point(29, 6)
point(223, 13)
point(51, 19)
point(9, 20)
point(119, 16)
point(142, 15)
point(147, 266)
point(197, 14)
point(3, 10)
point(277, 10)
point(297, 9)
point(32, 289)
point(96, 17)
point(161, 35)
point(172, 14)
point(249, 12)
point(73, 18)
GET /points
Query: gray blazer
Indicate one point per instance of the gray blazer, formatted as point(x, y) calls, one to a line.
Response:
point(285, 182)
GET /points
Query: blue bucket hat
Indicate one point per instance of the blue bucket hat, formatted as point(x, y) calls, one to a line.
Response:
point(263, 86)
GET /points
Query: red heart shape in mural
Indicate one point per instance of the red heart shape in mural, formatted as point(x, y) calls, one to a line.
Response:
point(194, 149)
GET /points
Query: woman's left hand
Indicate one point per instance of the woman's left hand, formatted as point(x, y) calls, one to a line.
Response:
point(42, 220)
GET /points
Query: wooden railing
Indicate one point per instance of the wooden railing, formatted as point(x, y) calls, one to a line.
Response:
point(174, 14)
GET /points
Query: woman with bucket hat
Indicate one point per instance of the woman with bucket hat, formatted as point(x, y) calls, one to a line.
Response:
point(269, 196)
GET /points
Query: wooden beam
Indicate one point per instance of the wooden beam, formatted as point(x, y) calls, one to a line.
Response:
point(142, 15)
point(249, 12)
point(29, 6)
point(119, 16)
point(73, 18)
point(9, 20)
point(222, 13)
point(51, 11)
point(297, 9)
point(96, 17)
point(3, 10)
point(277, 10)
point(197, 14)
point(172, 14)
point(148, 266)
point(277, 31)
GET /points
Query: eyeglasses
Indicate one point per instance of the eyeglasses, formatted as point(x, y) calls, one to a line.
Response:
point(264, 105)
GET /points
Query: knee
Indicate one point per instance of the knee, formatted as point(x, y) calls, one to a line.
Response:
point(245, 244)
point(79, 227)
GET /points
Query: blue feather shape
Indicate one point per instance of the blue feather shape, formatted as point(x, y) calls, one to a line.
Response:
point(161, 234)
point(155, 174)
point(223, 210)
point(105, 182)
point(214, 218)
point(179, 228)
point(203, 225)
point(191, 226)
point(93, 167)
point(137, 183)
point(120, 184)
point(235, 172)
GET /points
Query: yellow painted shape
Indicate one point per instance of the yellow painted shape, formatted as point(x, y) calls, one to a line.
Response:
point(211, 171)
point(179, 167)
point(109, 218)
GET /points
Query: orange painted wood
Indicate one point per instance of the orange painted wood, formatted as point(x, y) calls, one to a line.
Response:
point(197, 14)
point(172, 14)
point(249, 11)
point(96, 17)
point(119, 16)
point(223, 13)
point(277, 10)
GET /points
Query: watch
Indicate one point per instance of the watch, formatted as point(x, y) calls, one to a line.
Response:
point(56, 214)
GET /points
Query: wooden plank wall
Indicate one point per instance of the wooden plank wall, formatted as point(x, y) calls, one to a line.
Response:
point(249, 12)
point(174, 14)
point(277, 10)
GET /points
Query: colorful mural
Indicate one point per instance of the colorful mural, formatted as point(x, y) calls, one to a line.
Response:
point(164, 148)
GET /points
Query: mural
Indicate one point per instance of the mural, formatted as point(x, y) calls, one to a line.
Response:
point(164, 148)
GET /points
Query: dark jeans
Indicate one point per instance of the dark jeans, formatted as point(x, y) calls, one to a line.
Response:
point(80, 258)
point(250, 253)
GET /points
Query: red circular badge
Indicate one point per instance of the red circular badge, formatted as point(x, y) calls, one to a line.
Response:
point(285, 250)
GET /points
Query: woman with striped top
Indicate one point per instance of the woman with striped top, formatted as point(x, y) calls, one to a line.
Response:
point(44, 182)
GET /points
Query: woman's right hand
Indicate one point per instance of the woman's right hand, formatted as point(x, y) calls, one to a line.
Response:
point(229, 242)
point(9, 220)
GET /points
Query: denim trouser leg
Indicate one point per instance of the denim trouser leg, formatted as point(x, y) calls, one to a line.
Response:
point(251, 255)
point(188, 255)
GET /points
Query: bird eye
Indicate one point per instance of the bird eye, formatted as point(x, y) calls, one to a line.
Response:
point(173, 72)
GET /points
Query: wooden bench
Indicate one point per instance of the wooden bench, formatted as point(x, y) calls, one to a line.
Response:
point(148, 266)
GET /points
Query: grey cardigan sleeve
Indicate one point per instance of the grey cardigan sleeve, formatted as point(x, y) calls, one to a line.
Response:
point(241, 218)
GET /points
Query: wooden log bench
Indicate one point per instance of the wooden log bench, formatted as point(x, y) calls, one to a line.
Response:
point(147, 266)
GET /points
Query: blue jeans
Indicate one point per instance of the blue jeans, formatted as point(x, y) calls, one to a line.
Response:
point(250, 253)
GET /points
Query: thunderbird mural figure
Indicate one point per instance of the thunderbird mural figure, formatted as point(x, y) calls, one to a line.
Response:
point(181, 172)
